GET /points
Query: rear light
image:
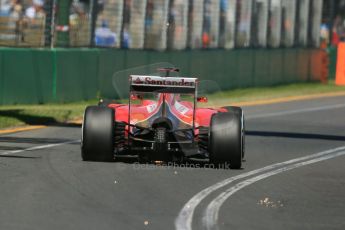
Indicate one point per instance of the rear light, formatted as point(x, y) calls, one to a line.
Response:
point(135, 97)
point(202, 99)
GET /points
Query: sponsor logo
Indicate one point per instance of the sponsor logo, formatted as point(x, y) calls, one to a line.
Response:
point(163, 82)
point(151, 108)
point(181, 108)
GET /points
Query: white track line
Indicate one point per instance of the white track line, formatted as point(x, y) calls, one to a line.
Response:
point(184, 219)
point(210, 217)
point(38, 147)
point(289, 112)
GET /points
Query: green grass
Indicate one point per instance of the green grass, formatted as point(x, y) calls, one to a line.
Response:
point(262, 93)
point(19, 115)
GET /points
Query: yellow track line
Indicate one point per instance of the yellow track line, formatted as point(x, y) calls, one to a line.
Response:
point(77, 121)
point(21, 129)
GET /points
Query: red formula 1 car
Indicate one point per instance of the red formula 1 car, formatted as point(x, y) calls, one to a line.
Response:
point(161, 122)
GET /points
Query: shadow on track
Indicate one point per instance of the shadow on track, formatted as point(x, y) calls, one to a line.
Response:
point(19, 157)
point(26, 118)
point(295, 135)
point(10, 148)
point(35, 120)
point(33, 140)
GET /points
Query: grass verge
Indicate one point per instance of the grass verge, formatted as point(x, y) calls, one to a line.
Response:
point(20, 115)
point(274, 92)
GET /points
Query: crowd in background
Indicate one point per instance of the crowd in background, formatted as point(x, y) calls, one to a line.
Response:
point(18, 17)
point(21, 8)
point(21, 14)
point(332, 29)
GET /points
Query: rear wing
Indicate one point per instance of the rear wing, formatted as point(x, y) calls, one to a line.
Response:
point(140, 83)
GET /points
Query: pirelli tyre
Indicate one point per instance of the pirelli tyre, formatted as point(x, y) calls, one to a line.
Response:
point(240, 112)
point(98, 134)
point(226, 139)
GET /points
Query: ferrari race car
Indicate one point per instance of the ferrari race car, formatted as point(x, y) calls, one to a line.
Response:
point(162, 122)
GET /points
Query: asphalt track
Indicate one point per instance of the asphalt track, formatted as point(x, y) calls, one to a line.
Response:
point(45, 185)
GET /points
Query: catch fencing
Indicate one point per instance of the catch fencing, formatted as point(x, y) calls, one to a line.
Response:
point(161, 24)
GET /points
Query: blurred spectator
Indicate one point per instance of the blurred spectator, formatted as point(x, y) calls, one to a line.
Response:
point(338, 31)
point(79, 7)
point(16, 16)
point(104, 36)
point(5, 8)
point(10, 8)
point(78, 13)
point(324, 34)
point(207, 24)
point(79, 10)
point(205, 40)
point(13, 22)
point(17, 10)
point(35, 10)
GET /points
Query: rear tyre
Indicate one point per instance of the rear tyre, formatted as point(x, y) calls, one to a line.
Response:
point(239, 111)
point(98, 134)
point(226, 139)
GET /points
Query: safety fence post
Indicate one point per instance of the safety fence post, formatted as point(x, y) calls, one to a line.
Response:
point(62, 26)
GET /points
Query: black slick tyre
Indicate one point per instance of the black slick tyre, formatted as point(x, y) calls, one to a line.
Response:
point(226, 139)
point(98, 134)
point(239, 111)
